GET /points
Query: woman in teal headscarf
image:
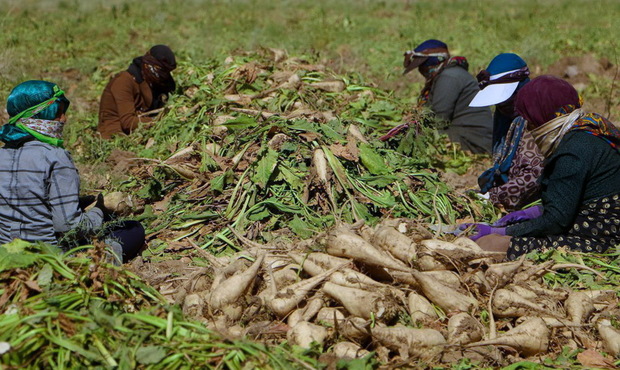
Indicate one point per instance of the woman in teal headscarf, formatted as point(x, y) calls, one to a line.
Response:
point(37, 111)
point(39, 183)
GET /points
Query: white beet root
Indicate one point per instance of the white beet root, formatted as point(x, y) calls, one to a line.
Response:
point(354, 279)
point(467, 243)
point(447, 298)
point(464, 329)
point(557, 295)
point(430, 263)
point(286, 275)
point(440, 248)
point(445, 277)
point(580, 304)
point(306, 313)
point(354, 328)
point(529, 338)
point(329, 316)
point(418, 343)
point(610, 336)
point(551, 322)
point(420, 309)
point(579, 307)
point(477, 282)
point(500, 274)
point(341, 242)
point(295, 317)
point(511, 304)
point(229, 270)
point(395, 243)
point(317, 263)
point(231, 289)
point(304, 333)
point(288, 298)
point(348, 302)
point(358, 302)
point(349, 350)
point(309, 266)
point(315, 304)
point(522, 291)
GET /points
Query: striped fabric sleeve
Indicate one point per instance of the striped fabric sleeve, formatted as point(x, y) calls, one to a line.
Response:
point(64, 189)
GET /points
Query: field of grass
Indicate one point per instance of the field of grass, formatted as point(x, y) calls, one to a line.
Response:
point(44, 38)
point(273, 193)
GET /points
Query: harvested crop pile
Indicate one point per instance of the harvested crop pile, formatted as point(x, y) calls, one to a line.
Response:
point(277, 150)
point(347, 298)
point(78, 312)
point(279, 146)
point(350, 295)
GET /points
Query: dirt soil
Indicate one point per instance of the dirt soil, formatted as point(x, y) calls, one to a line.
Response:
point(582, 72)
point(173, 278)
point(468, 180)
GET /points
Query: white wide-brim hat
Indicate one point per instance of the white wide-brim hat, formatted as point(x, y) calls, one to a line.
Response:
point(494, 93)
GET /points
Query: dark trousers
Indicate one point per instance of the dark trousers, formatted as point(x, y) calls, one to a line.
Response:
point(130, 235)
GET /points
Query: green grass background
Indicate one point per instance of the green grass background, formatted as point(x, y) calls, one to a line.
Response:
point(41, 39)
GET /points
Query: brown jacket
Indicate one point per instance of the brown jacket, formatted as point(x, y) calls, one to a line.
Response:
point(123, 99)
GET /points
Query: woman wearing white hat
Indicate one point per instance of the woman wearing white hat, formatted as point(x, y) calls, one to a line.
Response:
point(512, 181)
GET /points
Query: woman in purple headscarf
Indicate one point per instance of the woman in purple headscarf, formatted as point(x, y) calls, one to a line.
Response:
point(448, 90)
point(580, 181)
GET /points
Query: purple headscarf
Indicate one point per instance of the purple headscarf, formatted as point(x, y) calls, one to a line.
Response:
point(540, 99)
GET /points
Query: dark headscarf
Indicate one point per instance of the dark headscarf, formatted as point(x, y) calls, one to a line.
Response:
point(154, 67)
point(429, 53)
point(540, 100)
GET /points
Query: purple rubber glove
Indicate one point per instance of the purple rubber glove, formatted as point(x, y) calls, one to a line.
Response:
point(483, 230)
point(519, 216)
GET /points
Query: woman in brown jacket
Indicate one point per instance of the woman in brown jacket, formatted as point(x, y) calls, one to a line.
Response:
point(144, 86)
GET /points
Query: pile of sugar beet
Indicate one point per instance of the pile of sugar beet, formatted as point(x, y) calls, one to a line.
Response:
point(395, 290)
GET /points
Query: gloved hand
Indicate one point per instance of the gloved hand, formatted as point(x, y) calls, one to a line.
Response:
point(483, 230)
point(519, 216)
point(101, 205)
point(85, 201)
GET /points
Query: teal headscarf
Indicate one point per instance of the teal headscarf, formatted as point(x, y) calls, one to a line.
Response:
point(32, 99)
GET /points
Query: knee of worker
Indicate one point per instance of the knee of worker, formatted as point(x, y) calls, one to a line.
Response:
point(114, 253)
point(494, 243)
point(130, 236)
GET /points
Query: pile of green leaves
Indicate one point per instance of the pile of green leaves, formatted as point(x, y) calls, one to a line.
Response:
point(272, 188)
point(606, 264)
point(61, 311)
